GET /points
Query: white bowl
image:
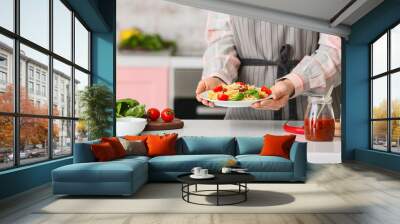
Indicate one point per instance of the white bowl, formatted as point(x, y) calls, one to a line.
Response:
point(130, 125)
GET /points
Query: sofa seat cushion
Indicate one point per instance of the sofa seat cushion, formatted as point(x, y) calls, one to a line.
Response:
point(185, 163)
point(113, 171)
point(257, 163)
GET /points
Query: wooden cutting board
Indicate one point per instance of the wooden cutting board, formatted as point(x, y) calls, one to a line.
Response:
point(161, 125)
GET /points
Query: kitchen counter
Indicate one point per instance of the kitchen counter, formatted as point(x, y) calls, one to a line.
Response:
point(317, 152)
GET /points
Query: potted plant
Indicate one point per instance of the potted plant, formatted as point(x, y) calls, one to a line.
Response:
point(130, 117)
point(96, 103)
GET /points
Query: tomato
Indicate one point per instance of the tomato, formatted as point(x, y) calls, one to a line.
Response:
point(241, 83)
point(153, 114)
point(167, 115)
point(223, 97)
point(218, 88)
point(266, 90)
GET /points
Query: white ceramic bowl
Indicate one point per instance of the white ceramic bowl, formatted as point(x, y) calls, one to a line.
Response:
point(130, 125)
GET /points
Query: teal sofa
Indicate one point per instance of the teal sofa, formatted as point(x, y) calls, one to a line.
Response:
point(125, 176)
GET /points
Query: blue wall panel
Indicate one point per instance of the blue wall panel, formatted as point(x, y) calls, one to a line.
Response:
point(356, 85)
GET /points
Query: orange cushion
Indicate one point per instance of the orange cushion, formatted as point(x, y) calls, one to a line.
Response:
point(103, 152)
point(116, 145)
point(136, 137)
point(161, 145)
point(277, 145)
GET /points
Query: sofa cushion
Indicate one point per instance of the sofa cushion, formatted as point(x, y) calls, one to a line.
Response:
point(185, 163)
point(161, 145)
point(116, 145)
point(112, 171)
point(198, 145)
point(249, 145)
point(83, 152)
point(257, 163)
point(277, 145)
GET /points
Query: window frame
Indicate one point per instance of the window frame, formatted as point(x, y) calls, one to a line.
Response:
point(388, 74)
point(16, 114)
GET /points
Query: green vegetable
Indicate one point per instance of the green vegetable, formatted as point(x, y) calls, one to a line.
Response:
point(253, 92)
point(137, 111)
point(238, 97)
point(129, 108)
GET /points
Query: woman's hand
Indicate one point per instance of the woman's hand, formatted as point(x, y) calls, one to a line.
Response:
point(204, 85)
point(281, 93)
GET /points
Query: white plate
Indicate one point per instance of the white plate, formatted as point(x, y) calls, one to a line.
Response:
point(240, 103)
point(208, 176)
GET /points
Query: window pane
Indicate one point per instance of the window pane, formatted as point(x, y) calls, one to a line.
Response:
point(7, 14)
point(379, 135)
point(62, 89)
point(35, 21)
point(395, 94)
point(81, 132)
point(395, 47)
point(6, 74)
point(395, 138)
point(81, 81)
point(379, 56)
point(62, 29)
point(62, 138)
point(6, 142)
point(81, 45)
point(379, 97)
point(34, 97)
point(33, 139)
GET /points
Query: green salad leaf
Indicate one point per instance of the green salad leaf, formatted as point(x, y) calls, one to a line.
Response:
point(238, 97)
point(253, 92)
point(129, 108)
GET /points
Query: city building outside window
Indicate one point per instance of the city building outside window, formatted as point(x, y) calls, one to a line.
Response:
point(39, 110)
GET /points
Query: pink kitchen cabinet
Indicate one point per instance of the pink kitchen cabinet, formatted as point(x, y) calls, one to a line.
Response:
point(148, 85)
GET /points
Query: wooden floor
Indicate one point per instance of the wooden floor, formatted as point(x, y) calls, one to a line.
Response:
point(379, 189)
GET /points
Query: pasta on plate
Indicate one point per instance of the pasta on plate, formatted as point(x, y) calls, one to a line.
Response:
point(238, 91)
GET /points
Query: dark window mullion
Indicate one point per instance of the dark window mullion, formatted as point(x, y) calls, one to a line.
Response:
point(16, 84)
point(389, 101)
point(73, 82)
point(50, 79)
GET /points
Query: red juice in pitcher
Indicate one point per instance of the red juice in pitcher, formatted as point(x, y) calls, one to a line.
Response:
point(319, 121)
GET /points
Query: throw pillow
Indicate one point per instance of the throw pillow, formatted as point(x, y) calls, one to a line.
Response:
point(277, 145)
point(116, 145)
point(103, 152)
point(142, 138)
point(161, 145)
point(137, 148)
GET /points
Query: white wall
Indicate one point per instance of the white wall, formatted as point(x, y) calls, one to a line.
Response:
point(183, 24)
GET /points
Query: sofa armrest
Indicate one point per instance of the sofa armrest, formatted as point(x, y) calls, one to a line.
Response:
point(83, 152)
point(298, 155)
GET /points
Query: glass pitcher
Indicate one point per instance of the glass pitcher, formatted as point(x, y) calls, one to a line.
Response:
point(319, 120)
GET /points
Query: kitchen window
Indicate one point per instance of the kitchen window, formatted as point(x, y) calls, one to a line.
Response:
point(385, 95)
point(40, 49)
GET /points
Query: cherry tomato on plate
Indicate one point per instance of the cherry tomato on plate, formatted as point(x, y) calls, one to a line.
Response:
point(167, 115)
point(241, 83)
point(266, 90)
point(218, 89)
point(223, 97)
point(153, 114)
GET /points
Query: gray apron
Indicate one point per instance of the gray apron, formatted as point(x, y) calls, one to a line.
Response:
point(255, 39)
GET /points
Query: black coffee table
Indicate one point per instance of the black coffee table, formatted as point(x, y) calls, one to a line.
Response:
point(238, 179)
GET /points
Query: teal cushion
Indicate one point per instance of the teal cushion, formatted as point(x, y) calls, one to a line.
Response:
point(111, 171)
point(83, 152)
point(249, 145)
point(257, 163)
point(185, 163)
point(196, 145)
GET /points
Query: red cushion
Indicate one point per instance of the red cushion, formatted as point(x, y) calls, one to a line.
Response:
point(103, 152)
point(161, 145)
point(277, 145)
point(116, 145)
